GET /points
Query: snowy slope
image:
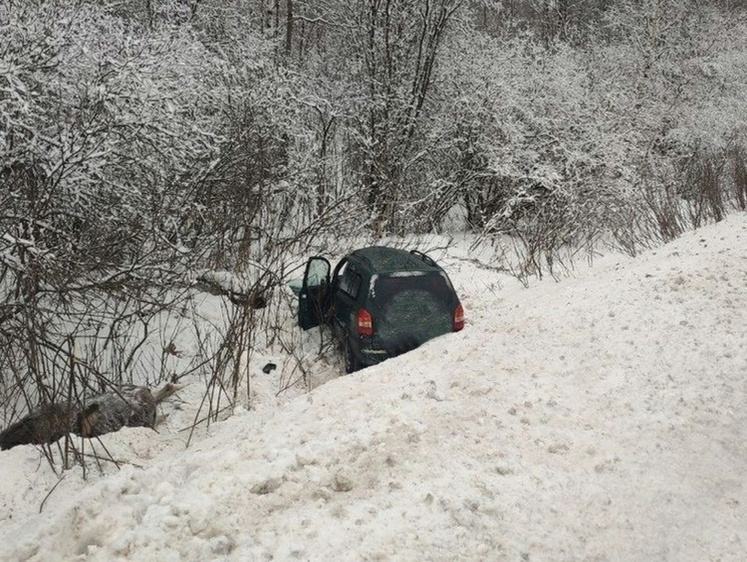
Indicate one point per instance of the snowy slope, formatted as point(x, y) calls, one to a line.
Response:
point(603, 417)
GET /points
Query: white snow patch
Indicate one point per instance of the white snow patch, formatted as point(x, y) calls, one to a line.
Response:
point(407, 274)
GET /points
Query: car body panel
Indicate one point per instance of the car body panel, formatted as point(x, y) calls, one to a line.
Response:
point(314, 297)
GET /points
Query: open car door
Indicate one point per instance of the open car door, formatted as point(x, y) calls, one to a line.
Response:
point(314, 300)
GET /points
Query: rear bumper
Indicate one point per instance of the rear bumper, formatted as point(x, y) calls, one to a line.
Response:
point(371, 350)
point(371, 353)
point(372, 356)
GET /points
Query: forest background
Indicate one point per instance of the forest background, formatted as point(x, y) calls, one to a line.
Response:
point(145, 142)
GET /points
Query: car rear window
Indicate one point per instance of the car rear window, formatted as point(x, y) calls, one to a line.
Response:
point(411, 307)
point(385, 288)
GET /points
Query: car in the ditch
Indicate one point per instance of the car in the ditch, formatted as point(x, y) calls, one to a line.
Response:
point(379, 302)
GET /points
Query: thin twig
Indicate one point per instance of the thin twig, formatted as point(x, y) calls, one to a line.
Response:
point(41, 507)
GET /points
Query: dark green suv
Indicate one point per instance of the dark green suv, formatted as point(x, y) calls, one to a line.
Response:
point(379, 302)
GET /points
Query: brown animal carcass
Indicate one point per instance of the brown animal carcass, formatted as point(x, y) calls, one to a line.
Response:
point(46, 424)
point(124, 406)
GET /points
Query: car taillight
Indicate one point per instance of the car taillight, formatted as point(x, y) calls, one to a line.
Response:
point(458, 317)
point(364, 322)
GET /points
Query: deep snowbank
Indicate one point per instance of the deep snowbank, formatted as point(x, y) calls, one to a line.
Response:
point(602, 417)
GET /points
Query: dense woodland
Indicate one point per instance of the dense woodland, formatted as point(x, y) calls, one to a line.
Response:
point(141, 141)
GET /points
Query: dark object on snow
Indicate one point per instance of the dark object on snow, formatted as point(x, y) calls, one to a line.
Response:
point(267, 369)
point(223, 285)
point(251, 300)
point(46, 424)
point(124, 406)
point(379, 302)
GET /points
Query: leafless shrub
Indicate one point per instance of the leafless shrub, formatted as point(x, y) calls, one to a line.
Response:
point(702, 187)
point(282, 228)
point(738, 156)
point(662, 201)
point(547, 229)
point(690, 190)
point(631, 228)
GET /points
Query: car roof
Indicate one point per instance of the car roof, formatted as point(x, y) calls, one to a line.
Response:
point(383, 259)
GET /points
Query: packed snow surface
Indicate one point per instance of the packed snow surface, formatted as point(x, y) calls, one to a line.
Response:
point(601, 417)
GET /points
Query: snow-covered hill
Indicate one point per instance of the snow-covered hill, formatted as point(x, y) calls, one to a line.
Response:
point(602, 417)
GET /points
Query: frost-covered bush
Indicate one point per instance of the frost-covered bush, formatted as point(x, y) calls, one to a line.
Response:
point(105, 130)
point(134, 151)
point(612, 133)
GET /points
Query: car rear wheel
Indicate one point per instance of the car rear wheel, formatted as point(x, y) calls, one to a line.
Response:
point(351, 361)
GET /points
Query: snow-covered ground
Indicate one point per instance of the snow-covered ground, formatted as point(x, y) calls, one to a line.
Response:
point(602, 417)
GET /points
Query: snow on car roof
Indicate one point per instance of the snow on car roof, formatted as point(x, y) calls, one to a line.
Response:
point(384, 259)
